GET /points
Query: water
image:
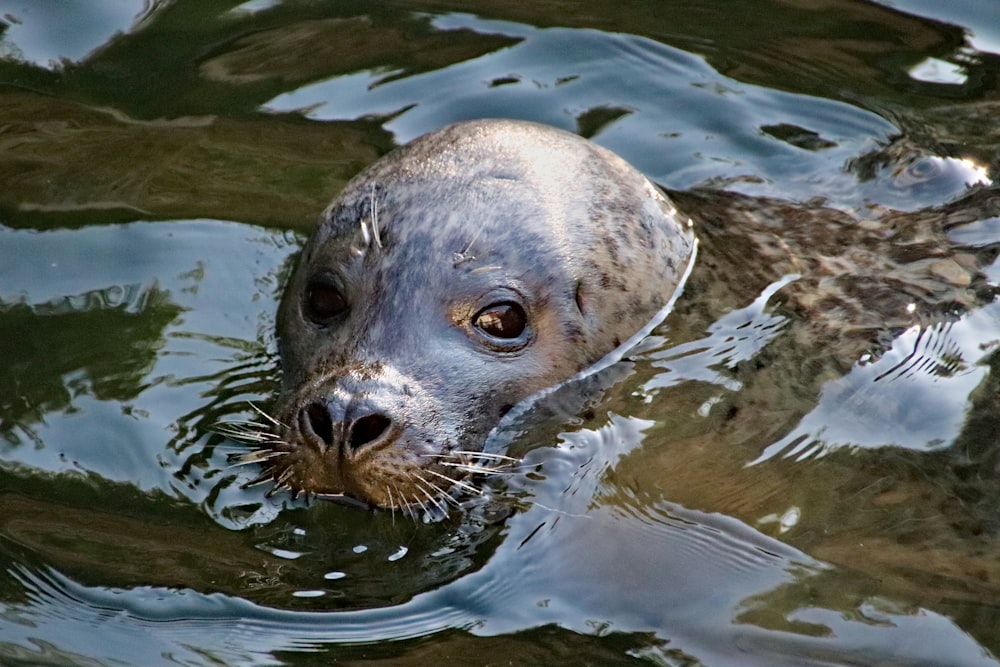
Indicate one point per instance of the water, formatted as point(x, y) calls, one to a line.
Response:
point(799, 467)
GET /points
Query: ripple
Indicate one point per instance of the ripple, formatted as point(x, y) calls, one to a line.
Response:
point(735, 337)
point(670, 122)
point(914, 396)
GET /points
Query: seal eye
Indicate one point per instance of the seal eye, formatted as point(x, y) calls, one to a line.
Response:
point(501, 320)
point(323, 301)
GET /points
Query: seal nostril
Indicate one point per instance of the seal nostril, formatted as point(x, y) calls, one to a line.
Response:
point(368, 429)
point(317, 418)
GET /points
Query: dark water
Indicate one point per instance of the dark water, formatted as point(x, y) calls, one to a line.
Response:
point(801, 467)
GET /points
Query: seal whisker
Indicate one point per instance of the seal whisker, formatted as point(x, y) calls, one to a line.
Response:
point(247, 436)
point(491, 457)
point(256, 456)
point(267, 416)
point(392, 504)
point(422, 485)
point(406, 507)
point(242, 426)
point(459, 461)
point(463, 256)
point(239, 449)
point(421, 504)
point(365, 236)
point(448, 498)
point(374, 218)
point(476, 455)
point(402, 503)
point(248, 423)
point(277, 488)
point(442, 493)
point(435, 494)
point(458, 483)
point(435, 500)
point(479, 469)
point(249, 458)
point(253, 429)
point(281, 479)
point(263, 477)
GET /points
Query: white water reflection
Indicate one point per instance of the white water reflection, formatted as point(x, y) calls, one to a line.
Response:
point(588, 555)
point(934, 70)
point(48, 32)
point(676, 129)
point(914, 396)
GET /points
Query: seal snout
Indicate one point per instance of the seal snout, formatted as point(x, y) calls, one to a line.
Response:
point(353, 436)
point(362, 427)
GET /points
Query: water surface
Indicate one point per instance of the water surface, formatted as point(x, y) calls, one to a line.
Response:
point(799, 467)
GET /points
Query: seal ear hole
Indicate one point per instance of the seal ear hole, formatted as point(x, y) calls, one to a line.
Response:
point(578, 295)
point(505, 320)
point(323, 300)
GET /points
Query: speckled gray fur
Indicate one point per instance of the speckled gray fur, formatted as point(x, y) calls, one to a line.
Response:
point(472, 214)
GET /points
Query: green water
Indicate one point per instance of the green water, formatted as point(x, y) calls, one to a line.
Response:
point(800, 467)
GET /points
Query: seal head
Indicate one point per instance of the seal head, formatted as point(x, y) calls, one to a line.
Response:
point(450, 280)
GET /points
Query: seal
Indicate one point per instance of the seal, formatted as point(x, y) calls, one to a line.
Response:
point(449, 281)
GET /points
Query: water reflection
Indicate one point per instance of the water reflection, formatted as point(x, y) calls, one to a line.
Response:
point(916, 395)
point(94, 368)
point(709, 589)
point(588, 72)
point(635, 530)
point(50, 35)
point(895, 174)
point(975, 19)
point(100, 344)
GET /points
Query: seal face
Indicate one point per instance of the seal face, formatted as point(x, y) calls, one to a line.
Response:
point(450, 280)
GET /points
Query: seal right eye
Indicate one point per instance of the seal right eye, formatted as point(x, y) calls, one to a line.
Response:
point(323, 301)
point(505, 321)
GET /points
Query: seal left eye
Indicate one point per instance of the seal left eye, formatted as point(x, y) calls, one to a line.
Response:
point(501, 320)
point(323, 301)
